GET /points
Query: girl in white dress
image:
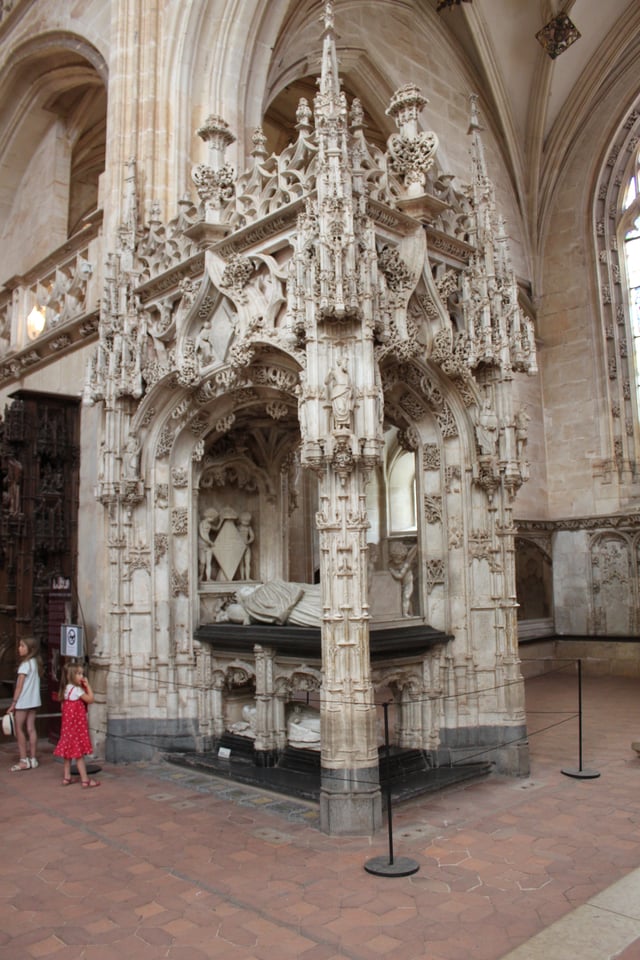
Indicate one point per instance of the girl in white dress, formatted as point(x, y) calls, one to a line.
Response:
point(26, 700)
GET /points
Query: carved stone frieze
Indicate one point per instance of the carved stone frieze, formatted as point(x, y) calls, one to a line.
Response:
point(198, 451)
point(277, 410)
point(165, 442)
point(397, 274)
point(179, 583)
point(179, 521)
point(453, 478)
point(455, 533)
point(236, 276)
point(433, 509)
point(160, 547)
point(435, 573)
point(431, 456)
point(627, 521)
point(409, 438)
point(138, 559)
point(179, 477)
point(214, 187)
point(446, 422)
point(412, 152)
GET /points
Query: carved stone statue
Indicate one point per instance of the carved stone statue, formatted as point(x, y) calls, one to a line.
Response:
point(246, 532)
point(131, 460)
point(204, 344)
point(247, 726)
point(209, 523)
point(277, 602)
point(522, 431)
point(401, 560)
point(303, 727)
point(340, 392)
point(487, 428)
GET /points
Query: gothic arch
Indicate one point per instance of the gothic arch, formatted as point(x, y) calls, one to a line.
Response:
point(52, 116)
point(623, 420)
point(534, 579)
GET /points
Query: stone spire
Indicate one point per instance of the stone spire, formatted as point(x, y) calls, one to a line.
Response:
point(333, 275)
point(499, 333)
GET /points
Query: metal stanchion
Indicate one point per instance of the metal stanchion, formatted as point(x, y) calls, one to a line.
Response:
point(580, 773)
point(390, 866)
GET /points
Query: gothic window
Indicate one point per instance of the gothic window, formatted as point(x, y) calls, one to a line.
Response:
point(402, 493)
point(630, 234)
point(391, 493)
point(393, 567)
point(616, 232)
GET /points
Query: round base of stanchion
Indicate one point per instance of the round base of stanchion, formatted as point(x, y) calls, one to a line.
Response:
point(580, 774)
point(401, 867)
point(92, 767)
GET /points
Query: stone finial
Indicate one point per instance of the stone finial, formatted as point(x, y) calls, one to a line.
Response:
point(357, 115)
point(474, 114)
point(259, 144)
point(304, 115)
point(412, 151)
point(216, 134)
point(328, 17)
point(405, 108)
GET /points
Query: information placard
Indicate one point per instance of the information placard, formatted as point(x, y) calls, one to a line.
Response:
point(71, 640)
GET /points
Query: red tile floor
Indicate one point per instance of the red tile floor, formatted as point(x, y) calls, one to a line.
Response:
point(160, 862)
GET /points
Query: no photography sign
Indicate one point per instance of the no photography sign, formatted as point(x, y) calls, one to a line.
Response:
point(71, 644)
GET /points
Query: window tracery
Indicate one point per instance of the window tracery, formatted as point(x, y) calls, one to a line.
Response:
point(616, 215)
point(629, 232)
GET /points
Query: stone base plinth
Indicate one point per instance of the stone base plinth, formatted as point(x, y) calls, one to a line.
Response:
point(350, 802)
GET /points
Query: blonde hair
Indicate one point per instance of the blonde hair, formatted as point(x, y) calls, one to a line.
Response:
point(33, 652)
point(69, 670)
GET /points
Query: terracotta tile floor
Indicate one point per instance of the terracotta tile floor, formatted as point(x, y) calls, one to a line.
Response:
point(163, 862)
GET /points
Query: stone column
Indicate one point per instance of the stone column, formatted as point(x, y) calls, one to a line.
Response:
point(350, 791)
point(266, 753)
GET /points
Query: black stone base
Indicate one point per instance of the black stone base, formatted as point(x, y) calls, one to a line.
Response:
point(298, 772)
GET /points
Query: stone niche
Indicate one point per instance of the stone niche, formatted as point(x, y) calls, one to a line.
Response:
point(256, 514)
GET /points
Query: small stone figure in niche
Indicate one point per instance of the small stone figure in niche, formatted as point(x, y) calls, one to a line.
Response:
point(487, 427)
point(247, 726)
point(209, 523)
point(204, 344)
point(522, 431)
point(246, 532)
point(401, 560)
point(303, 727)
point(132, 458)
point(340, 392)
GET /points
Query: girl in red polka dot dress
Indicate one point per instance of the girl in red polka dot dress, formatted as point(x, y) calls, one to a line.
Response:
point(75, 742)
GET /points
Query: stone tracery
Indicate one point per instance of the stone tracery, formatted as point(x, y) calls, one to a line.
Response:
point(303, 292)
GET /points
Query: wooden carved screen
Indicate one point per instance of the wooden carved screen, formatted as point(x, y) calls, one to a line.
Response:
point(39, 464)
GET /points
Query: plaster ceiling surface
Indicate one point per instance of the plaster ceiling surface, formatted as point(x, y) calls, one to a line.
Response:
point(512, 26)
point(499, 37)
point(540, 104)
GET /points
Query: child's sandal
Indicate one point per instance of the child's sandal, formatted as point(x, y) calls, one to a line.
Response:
point(22, 764)
point(87, 784)
point(66, 781)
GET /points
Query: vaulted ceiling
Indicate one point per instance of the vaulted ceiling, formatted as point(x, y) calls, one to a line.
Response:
point(540, 103)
